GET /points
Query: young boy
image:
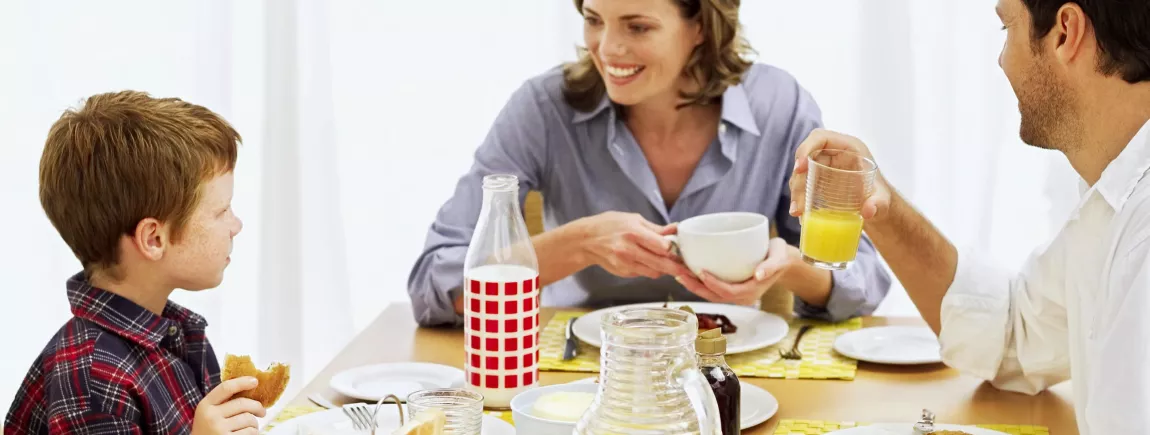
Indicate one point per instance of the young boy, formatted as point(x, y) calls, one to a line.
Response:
point(140, 190)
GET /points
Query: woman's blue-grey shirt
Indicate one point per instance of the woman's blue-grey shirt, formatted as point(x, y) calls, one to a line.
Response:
point(586, 163)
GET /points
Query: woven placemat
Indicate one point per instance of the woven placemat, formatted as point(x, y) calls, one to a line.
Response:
point(814, 427)
point(820, 361)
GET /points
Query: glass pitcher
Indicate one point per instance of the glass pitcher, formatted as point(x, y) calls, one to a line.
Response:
point(650, 383)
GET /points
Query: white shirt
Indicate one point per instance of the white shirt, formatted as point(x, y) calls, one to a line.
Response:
point(1078, 310)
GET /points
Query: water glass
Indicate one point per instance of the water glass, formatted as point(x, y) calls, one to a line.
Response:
point(464, 408)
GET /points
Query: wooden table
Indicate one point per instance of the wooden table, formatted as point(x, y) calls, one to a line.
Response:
point(878, 393)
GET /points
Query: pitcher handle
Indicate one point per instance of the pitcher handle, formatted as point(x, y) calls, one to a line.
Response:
point(702, 398)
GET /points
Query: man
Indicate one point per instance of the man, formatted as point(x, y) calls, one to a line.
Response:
point(1080, 307)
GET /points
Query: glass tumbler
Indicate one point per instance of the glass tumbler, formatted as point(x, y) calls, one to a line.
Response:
point(464, 408)
point(838, 184)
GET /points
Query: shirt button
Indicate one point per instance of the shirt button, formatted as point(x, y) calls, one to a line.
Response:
point(722, 128)
point(172, 330)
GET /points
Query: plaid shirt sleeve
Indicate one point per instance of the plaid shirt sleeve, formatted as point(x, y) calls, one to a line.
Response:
point(79, 389)
point(116, 368)
point(92, 392)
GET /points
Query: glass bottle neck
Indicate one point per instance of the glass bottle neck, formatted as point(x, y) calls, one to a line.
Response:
point(716, 360)
point(490, 195)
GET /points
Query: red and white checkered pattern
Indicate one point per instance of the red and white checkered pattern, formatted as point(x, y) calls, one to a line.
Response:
point(501, 324)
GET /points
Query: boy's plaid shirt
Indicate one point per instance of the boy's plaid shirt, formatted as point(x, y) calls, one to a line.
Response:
point(116, 368)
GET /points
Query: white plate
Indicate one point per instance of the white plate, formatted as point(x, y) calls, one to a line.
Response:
point(908, 429)
point(901, 345)
point(756, 405)
point(757, 329)
point(334, 421)
point(374, 382)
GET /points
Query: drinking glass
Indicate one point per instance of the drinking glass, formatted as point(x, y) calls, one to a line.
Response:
point(838, 184)
point(464, 408)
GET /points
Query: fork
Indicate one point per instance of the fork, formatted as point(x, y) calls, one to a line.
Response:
point(354, 411)
point(318, 399)
point(360, 415)
point(363, 415)
point(794, 353)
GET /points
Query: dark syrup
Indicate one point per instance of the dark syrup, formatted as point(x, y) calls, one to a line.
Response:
point(727, 391)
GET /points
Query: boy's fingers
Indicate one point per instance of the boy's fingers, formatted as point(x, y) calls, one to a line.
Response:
point(226, 389)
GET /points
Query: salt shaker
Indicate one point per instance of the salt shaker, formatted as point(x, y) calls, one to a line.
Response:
point(926, 425)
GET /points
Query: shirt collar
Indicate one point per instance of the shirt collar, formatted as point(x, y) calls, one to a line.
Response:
point(604, 104)
point(125, 318)
point(736, 110)
point(1122, 175)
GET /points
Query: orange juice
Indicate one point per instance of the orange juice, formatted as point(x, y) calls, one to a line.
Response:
point(831, 236)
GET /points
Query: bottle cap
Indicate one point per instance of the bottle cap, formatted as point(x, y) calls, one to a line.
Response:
point(711, 342)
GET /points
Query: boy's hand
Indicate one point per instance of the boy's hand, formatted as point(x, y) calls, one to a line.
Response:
point(218, 413)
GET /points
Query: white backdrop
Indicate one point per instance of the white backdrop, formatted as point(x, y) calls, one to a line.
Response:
point(358, 116)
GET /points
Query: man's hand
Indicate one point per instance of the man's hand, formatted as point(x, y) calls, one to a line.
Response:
point(875, 207)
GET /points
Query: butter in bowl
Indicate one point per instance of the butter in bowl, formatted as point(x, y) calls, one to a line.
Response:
point(552, 410)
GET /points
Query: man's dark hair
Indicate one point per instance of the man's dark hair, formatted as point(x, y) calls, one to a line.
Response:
point(1122, 28)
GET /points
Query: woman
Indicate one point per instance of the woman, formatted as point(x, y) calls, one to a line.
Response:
point(660, 119)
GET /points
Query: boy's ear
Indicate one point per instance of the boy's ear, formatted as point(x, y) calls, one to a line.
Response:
point(151, 239)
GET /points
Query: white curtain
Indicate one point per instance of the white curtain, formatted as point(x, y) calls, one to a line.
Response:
point(358, 117)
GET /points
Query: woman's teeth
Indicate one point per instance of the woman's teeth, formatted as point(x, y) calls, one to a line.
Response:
point(623, 72)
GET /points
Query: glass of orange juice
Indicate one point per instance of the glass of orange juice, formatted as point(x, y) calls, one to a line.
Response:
point(838, 183)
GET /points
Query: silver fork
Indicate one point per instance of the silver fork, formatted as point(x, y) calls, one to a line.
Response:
point(360, 415)
point(352, 411)
point(794, 353)
point(363, 415)
point(318, 399)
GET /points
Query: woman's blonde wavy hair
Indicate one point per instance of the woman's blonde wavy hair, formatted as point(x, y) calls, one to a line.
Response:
point(715, 64)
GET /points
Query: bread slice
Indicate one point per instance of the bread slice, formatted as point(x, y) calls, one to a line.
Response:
point(272, 382)
point(428, 422)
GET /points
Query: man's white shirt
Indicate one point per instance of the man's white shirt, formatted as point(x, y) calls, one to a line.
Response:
point(1078, 310)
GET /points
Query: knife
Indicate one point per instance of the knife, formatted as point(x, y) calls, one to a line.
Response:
point(572, 347)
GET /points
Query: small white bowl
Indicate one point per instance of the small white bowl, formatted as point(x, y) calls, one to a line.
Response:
point(527, 424)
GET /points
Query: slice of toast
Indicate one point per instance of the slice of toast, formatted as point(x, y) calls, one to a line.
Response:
point(272, 382)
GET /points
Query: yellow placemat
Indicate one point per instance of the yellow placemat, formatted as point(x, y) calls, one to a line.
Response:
point(820, 361)
point(811, 427)
point(552, 341)
point(291, 412)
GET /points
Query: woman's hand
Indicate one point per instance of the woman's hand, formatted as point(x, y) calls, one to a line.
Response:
point(780, 258)
point(627, 245)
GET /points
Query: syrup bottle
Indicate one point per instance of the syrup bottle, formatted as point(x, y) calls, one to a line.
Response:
point(711, 348)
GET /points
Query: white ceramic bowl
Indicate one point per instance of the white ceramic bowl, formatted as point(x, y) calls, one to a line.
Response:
point(527, 424)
